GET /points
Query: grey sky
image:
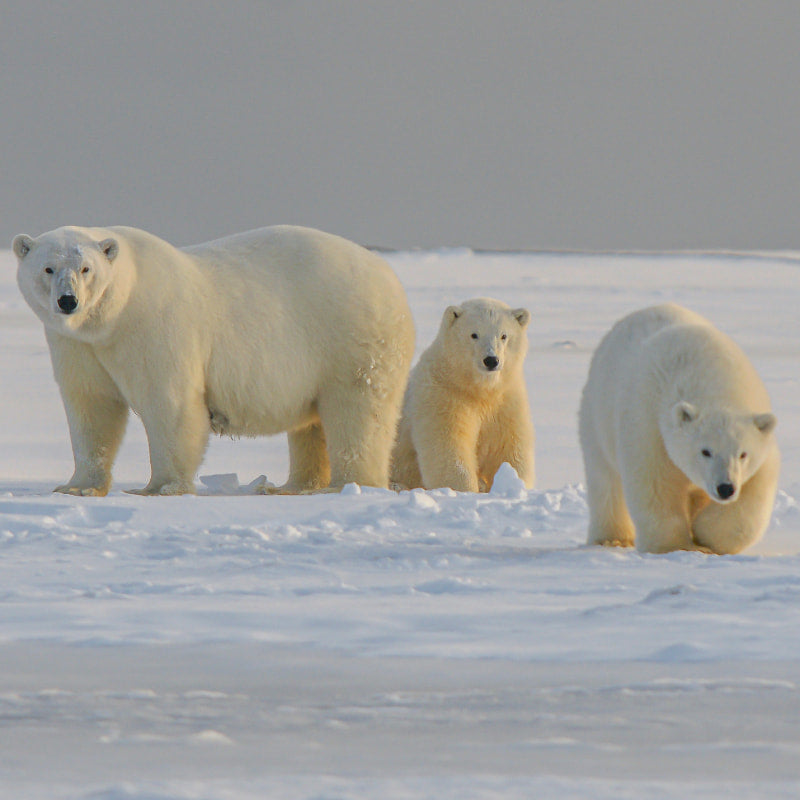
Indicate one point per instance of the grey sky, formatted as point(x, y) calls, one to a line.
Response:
point(597, 125)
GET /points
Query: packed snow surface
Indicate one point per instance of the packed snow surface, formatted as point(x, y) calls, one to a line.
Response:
point(372, 644)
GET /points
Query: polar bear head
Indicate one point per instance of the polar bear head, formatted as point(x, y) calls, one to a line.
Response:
point(65, 276)
point(484, 338)
point(718, 450)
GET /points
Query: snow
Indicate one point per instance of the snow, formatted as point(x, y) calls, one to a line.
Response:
point(369, 644)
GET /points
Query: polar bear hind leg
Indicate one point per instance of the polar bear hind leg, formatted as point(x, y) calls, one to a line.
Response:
point(309, 465)
point(405, 472)
point(359, 429)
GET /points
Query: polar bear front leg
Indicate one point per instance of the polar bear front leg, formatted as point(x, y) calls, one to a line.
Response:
point(660, 518)
point(96, 426)
point(657, 497)
point(447, 452)
point(661, 532)
point(508, 437)
point(177, 437)
point(656, 493)
point(609, 521)
point(729, 528)
point(97, 415)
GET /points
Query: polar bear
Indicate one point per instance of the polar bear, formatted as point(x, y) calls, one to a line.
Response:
point(677, 437)
point(277, 329)
point(465, 410)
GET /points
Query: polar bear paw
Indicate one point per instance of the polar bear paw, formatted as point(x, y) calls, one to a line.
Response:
point(82, 491)
point(164, 490)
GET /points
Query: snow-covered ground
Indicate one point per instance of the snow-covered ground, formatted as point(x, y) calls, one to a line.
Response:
point(375, 645)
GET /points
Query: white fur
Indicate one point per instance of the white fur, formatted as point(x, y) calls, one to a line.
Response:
point(277, 329)
point(676, 432)
point(460, 420)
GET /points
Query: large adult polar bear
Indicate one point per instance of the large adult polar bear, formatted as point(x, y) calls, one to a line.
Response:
point(277, 329)
point(677, 437)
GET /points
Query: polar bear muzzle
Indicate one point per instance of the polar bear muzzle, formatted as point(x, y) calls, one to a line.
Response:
point(67, 303)
point(725, 491)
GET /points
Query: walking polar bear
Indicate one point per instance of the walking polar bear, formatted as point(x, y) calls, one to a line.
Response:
point(677, 437)
point(466, 409)
point(277, 329)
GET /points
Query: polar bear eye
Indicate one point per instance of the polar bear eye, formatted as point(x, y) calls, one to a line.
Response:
point(474, 335)
point(503, 337)
point(84, 270)
point(743, 456)
point(48, 270)
point(706, 453)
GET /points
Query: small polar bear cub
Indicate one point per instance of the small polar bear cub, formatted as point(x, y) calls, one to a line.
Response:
point(277, 329)
point(677, 437)
point(466, 409)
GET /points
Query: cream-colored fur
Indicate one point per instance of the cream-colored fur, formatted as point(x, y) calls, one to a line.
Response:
point(277, 329)
point(461, 420)
point(677, 437)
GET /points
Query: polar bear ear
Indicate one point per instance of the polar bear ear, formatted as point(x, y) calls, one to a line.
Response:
point(109, 248)
point(452, 313)
point(684, 412)
point(22, 245)
point(523, 316)
point(765, 422)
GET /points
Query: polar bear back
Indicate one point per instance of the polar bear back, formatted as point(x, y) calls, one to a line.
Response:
point(652, 358)
point(299, 262)
point(307, 307)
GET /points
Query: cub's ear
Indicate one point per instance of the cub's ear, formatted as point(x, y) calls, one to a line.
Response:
point(765, 422)
point(523, 316)
point(684, 413)
point(109, 248)
point(452, 313)
point(22, 245)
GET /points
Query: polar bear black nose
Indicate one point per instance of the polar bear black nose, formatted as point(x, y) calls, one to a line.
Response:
point(491, 362)
point(67, 303)
point(725, 490)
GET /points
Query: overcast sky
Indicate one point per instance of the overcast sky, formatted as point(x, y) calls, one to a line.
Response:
point(589, 125)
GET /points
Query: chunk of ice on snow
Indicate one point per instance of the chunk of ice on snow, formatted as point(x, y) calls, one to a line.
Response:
point(420, 500)
point(507, 483)
point(228, 483)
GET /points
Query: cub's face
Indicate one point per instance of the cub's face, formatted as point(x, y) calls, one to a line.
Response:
point(718, 451)
point(486, 337)
point(63, 275)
